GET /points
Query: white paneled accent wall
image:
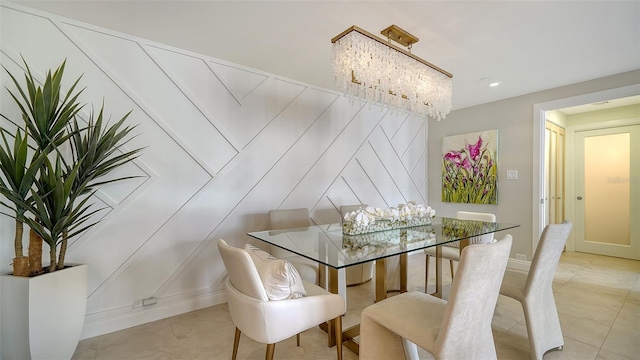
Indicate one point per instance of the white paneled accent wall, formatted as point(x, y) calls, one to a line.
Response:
point(224, 145)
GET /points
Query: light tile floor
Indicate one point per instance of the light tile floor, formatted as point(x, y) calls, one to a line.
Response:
point(598, 301)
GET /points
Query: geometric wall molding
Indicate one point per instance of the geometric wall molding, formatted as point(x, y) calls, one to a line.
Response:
point(224, 144)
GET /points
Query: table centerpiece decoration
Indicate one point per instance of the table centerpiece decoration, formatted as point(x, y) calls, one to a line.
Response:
point(370, 219)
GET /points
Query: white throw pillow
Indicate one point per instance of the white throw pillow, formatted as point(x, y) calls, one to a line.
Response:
point(280, 279)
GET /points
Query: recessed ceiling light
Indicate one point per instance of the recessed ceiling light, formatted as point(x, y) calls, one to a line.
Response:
point(494, 84)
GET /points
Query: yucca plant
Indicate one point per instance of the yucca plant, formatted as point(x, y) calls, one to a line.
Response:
point(48, 190)
point(19, 177)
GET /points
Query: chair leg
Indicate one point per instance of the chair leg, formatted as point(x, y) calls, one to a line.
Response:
point(426, 274)
point(236, 341)
point(298, 339)
point(338, 331)
point(271, 349)
point(451, 267)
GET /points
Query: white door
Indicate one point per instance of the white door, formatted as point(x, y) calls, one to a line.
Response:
point(608, 191)
point(554, 170)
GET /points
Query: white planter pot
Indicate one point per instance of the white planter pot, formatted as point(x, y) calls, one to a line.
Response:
point(42, 316)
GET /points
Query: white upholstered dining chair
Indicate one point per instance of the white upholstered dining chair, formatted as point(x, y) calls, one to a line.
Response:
point(451, 252)
point(288, 219)
point(459, 328)
point(534, 291)
point(270, 321)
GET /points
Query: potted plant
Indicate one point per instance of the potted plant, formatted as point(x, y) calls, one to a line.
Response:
point(50, 170)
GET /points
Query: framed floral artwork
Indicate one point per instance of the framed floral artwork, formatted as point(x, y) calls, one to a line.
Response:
point(470, 168)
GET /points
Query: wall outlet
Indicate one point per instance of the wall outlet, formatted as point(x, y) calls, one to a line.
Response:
point(521, 257)
point(137, 303)
point(149, 301)
point(145, 302)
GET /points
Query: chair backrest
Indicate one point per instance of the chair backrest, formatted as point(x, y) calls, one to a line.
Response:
point(486, 217)
point(466, 325)
point(349, 208)
point(546, 258)
point(288, 218)
point(242, 271)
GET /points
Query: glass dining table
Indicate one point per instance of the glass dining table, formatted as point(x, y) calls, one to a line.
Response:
point(333, 251)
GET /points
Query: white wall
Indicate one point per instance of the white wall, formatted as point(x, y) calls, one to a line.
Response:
point(225, 144)
point(514, 118)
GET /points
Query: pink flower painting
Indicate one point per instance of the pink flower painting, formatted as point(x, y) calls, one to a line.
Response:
point(470, 168)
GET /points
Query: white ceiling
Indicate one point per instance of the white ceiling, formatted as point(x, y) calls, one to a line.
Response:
point(527, 46)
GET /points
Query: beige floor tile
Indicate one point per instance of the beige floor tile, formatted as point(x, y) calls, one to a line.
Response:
point(594, 305)
point(606, 355)
point(607, 264)
point(615, 283)
point(517, 337)
point(634, 294)
point(508, 313)
point(622, 343)
point(577, 258)
point(149, 341)
point(578, 328)
point(86, 350)
point(572, 350)
point(506, 351)
point(629, 318)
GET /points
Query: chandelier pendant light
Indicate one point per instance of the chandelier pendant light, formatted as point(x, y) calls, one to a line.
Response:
point(370, 68)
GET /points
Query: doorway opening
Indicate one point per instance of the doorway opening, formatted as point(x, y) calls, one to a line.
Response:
point(541, 170)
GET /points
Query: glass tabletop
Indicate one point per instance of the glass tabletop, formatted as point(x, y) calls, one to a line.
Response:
point(327, 245)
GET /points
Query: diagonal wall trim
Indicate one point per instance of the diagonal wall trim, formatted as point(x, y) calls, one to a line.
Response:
point(134, 256)
point(419, 132)
point(296, 142)
point(325, 155)
point(128, 91)
point(276, 115)
point(399, 156)
point(228, 87)
point(179, 84)
point(391, 175)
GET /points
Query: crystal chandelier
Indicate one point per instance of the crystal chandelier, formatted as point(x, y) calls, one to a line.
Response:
point(372, 69)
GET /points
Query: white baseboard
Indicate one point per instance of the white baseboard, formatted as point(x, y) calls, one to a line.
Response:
point(518, 265)
point(119, 319)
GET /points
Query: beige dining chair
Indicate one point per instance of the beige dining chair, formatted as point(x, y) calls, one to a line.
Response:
point(451, 251)
point(459, 328)
point(271, 321)
point(289, 219)
point(357, 274)
point(534, 291)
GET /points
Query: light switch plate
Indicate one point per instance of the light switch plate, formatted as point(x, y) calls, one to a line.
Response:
point(512, 174)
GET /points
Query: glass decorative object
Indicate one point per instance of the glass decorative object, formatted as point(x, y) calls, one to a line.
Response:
point(370, 219)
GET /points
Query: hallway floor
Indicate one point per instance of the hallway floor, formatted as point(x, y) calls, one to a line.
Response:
point(598, 301)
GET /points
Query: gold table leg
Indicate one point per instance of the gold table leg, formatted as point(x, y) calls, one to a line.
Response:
point(438, 292)
point(404, 261)
point(349, 335)
point(381, 280)
point(333, 287)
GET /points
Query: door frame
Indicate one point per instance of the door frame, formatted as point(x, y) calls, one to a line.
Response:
point(539, 118)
